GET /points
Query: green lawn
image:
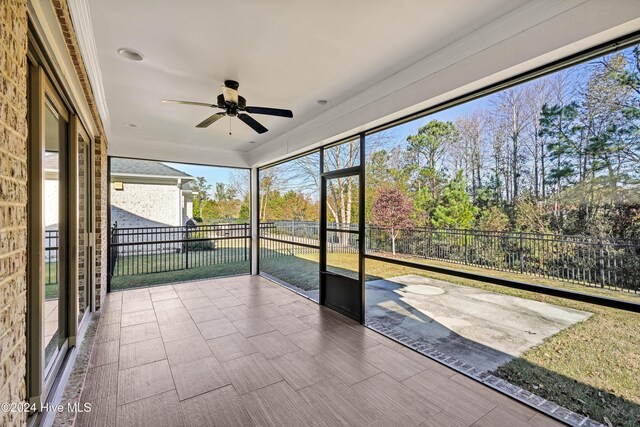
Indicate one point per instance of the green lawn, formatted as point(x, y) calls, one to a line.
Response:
point(140, 270)
point(119, 283)
point(591, 368)
point(50, 272)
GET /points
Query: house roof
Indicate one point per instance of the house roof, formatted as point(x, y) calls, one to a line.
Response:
point(187, 186)
point(129, 167)
point(121, 166)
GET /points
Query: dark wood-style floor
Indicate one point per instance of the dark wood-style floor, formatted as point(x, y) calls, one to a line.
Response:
point(244, 351)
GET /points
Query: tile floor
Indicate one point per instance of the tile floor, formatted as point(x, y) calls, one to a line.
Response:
point(244, 351)
point(50, 319)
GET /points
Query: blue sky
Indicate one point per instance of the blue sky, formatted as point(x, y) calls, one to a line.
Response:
point(212, 174)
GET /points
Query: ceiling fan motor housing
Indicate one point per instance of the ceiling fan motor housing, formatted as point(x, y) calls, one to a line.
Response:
point(232, 84)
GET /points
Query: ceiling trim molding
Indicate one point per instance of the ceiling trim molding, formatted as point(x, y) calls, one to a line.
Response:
point(81, 20)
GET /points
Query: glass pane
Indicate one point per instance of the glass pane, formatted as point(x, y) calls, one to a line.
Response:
point(289, 215)
point(342, 226)
point(83, 225)
point(55, 129)
point(342, 156)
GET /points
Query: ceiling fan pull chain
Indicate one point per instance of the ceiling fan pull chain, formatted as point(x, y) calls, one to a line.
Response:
point(229, 125)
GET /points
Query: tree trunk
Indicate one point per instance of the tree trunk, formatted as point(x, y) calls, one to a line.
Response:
point(393, 242)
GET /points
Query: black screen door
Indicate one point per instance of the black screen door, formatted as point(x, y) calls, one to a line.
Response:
point(341, 232)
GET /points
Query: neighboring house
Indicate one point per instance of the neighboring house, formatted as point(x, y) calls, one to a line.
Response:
point(147, 193)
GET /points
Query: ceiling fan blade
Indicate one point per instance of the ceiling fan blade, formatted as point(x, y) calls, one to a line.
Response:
point(252, 123)
point(175, 101)
point(211, 119)
point(230, 94)
point(270, 111)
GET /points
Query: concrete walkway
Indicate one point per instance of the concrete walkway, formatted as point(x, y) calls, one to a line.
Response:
point(481, 328)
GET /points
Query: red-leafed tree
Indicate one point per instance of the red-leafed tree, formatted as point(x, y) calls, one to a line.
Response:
point(392, 210)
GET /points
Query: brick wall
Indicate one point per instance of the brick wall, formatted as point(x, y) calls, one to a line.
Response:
point(100, 150)
point(13, 205)
point(102, 226)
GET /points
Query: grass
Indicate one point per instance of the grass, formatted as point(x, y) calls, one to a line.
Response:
point(119, 283)
point(591, 367)
point(51, 280)
point(140, 270)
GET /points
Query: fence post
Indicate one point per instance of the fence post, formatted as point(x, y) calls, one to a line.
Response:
point(521, 253)
point(113, 255)
point(426, 240)
point(601, 262)
point(186, 247)
point(247, 232)
point(293, 233)
point(466, 247)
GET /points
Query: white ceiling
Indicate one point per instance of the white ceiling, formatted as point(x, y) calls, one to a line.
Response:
point(285, 54)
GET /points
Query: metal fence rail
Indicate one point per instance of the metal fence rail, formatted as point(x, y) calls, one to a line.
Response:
point(135, 251)
point(611, 263)
point(51, 257)
point(606, 262)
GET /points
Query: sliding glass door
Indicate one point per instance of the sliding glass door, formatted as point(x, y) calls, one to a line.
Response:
point(84, 221)
point(60, 234)
point(56, 123)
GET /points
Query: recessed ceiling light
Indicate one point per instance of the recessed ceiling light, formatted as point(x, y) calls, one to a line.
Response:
point(130, 54)
point(131, 125)
point(322, 101)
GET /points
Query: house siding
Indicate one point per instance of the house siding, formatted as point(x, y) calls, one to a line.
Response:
point(13, 206)
point(146, 205)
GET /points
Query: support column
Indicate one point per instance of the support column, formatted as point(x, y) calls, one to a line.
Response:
point(255, 185)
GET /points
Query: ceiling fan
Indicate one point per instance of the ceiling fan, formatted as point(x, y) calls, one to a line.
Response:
point(234, 105)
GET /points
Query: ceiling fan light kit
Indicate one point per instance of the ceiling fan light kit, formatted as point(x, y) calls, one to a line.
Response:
point(234, 106)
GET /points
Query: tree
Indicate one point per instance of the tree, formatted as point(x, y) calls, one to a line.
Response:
point(296, 207)
point(224, 192)
point(513, 112)
point(428, 149)
point(210, 211)
point(267, 185)
point(385, 167)
point(531, 216)
point(494, 219)
point(455, 209)
point(245, 209)
point(469, 155)
point(392, 211)
point(538, 95)
point(201, 189)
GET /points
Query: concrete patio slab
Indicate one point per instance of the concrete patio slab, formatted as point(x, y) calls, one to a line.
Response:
point(482, 328)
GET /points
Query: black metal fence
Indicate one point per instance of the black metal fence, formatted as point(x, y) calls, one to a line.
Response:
point(606, 262)
point(611, 263)
point(51, 257)
point(135, 251)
